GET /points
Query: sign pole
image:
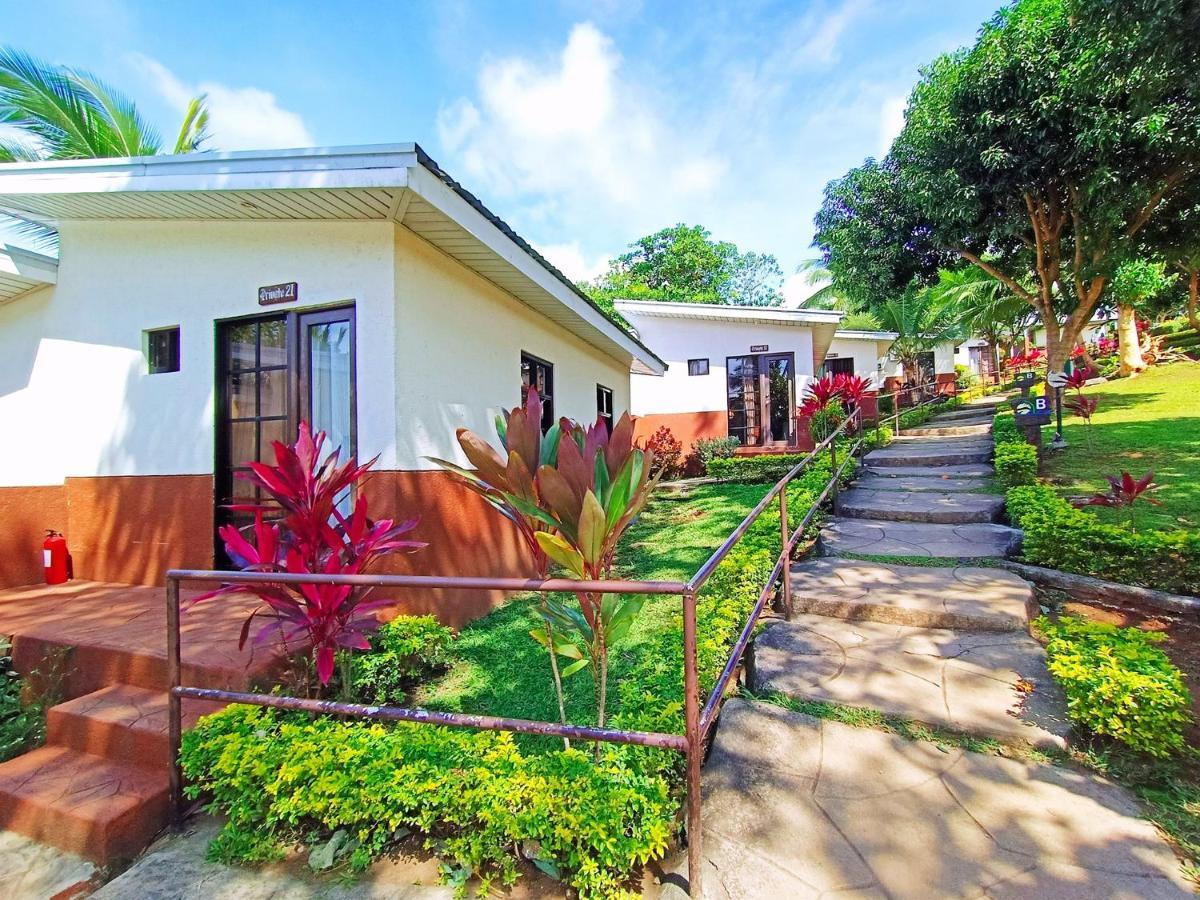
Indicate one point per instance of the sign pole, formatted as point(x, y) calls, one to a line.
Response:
point(1057, 381)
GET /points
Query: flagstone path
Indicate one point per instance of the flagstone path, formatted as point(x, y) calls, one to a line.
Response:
point(795, 806)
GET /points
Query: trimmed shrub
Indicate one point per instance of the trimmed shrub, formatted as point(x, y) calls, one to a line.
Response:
point(402, 650)
point(1016, 464)
point(1059, 536)
point(708, 449)
point(1004, 429)
point(1118, 683)
point(667, 451)
point(772, 467)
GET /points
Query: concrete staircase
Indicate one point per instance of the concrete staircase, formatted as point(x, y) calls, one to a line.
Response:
point(98, 788)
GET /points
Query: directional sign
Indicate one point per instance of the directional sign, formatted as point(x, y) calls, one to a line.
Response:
point(1057, 379)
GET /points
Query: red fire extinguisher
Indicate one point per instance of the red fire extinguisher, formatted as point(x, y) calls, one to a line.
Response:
point(56, 560)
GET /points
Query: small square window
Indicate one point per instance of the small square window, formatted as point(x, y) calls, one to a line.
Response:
point(162, 350)
point(698, 366)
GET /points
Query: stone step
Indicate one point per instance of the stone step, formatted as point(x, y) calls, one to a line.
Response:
point(969, 470)
point(918, 453)
point(800, 807)
point(102, 809)
point(965, 412)
point(120, 722)
point(992, 684)
point(982, 429)
point(965, 597)
point(946, 441)
point(934, 483)
point(876, 537)
point(941, 508)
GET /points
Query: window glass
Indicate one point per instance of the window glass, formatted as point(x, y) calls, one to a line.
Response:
point(841, 366)
point(604, 405)
point(162, 350)
point(697, 366)
point(539, 374)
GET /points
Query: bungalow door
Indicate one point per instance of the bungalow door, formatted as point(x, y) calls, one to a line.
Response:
point(272, 372)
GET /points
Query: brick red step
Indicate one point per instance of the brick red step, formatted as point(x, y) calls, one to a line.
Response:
point(120, 722)
point(101, 809)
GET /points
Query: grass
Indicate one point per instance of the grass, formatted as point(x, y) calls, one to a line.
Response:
point(944, 562)
point(1168, 789)
point(1150, 423)
point(497, 668)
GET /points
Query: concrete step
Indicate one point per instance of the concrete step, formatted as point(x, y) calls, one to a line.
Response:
point(948, 441)
point(120, 722)
point(966, 412)
point(992, 684)
point(877, 537)
point(963, 597)
point(935, 483)
point(969, 470)
point(939, 453)
point(101, 809)
point(941, 508)
point(800, 807)
point(971, 429)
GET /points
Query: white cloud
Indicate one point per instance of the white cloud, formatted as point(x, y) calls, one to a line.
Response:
point(573, 262)
point(575, 140)
point(822, 44)
point(891, 122)
point(245, 118)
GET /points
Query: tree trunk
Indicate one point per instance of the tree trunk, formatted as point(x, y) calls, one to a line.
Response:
point(1193, 306)
point(1058, 348)
point(1129, 351)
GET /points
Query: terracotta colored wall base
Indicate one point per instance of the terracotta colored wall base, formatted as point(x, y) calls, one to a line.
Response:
point(687, 427)
point(26, 513)
point(947, 384)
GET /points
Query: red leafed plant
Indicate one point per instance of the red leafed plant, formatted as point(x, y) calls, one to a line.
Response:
point(1124, 491)
point(829, 399)
point(309, 534)
point(667, 450)
point(1079, 377)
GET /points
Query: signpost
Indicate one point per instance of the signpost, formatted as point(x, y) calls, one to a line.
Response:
point(1058, 381)
point(1030, 412)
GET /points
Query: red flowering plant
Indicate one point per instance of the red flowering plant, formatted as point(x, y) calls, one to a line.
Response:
point(1123, 492)
point(829, 400)
point(308, 533)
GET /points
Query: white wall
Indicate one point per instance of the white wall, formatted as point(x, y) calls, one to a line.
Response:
point(678, 340)
point(76, 398)
point(459, 355)
point(867, 356)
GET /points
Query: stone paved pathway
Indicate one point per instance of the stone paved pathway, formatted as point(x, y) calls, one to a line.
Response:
point(796, 806)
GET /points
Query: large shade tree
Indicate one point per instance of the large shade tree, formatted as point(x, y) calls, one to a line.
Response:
point(1039, 156)
point(684, 264)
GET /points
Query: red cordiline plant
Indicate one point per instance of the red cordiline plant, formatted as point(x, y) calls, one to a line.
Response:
point(1123, 492)
point(309, 534)
point(829, 399)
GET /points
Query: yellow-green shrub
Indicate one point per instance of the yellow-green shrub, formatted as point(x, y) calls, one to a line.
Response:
point(1016, 464)
point(1118, 683)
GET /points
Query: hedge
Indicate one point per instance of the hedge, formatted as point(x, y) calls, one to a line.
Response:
point(477, 798)
point(770, 467)
point(1059, 536)
point(1118, 683)
point(1004, 429)
point(1016, 464)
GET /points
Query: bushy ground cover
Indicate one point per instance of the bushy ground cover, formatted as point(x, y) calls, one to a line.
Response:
point(1150, 423)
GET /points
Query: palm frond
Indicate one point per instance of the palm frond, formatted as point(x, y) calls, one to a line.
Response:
point(194, 130)
point(44, 102)
point(121, 126)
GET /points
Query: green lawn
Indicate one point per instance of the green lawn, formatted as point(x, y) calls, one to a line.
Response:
point(1150, 423)
point(499, 670)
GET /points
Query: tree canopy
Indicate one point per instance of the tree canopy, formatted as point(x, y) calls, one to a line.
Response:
point(1039, 155)
point(684, 264)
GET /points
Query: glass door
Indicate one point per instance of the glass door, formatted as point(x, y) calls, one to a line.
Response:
point(273, 372)
point(744, 397)
point(781, 403)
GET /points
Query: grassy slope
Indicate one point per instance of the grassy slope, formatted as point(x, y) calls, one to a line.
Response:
point(1143, 424)
point(499, 670)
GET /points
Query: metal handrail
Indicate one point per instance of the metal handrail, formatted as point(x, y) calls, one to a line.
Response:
point(698, 721)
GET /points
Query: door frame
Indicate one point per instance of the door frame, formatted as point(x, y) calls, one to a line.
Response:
point(298, 386)
point(764, 394)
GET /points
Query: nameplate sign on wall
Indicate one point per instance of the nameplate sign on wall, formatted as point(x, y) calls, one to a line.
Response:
point(759, 348)
point(278, 293)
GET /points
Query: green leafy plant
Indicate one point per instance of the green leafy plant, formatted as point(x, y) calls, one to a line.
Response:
point(1118, 683)
point(1059, 536)
point(21, 723)
point(771, 467)
point(708, 449)
point(1004, 429)
point(402, 650)
point(1016, 464)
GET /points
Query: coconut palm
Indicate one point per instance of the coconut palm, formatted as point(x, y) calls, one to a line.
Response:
point(921, 320)
point(985, 307)
point(62, 113)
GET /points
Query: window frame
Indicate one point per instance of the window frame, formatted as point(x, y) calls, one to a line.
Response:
point(608, 415)
point(172, 332)
point(534, 362)
point(698, 359)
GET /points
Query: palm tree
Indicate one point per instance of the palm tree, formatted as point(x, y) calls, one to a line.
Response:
point(921, 320)
point(64, 113)
point(985, 307)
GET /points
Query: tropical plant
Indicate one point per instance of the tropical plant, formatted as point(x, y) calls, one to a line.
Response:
point(1133, 282)
point(984, 307)
point(921, 320)
point(64, 113)
point(310, 534)
point(1124, 491)
point(829, 400)
point(667, 452)
point(1028, 156)
point(708, 449)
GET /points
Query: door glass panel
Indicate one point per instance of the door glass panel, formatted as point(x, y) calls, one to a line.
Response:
point(743, 397)
point(272, 392)
point(779, 383)
point(243, 447)
point(329, 387)
point(243, 393)
point(242, 346)
point(271, 431)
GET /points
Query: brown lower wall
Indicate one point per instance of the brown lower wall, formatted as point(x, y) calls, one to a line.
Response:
point(687, 427)
point(131, 529)
point(27, 512)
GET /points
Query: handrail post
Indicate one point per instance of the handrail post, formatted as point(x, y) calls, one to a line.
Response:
point(896, 414)
point(174, 704)
point(695, 744)
point(833, 468)
point(785, 535)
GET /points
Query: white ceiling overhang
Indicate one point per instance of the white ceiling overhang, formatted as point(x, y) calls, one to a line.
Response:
point(397, 183)
point(22, 271)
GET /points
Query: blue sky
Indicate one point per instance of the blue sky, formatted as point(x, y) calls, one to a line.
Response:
point(584, 125)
